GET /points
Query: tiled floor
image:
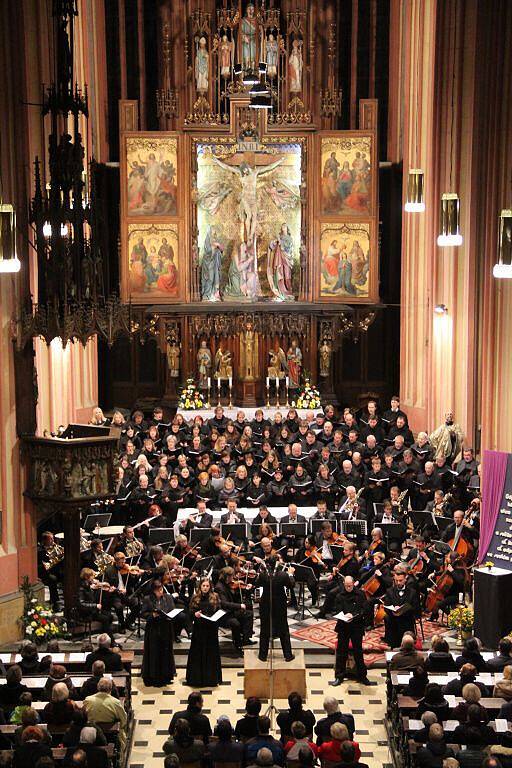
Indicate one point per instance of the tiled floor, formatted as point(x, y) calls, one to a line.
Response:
point(153, 708)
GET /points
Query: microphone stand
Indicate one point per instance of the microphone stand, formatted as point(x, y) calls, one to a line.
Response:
point(137, 594)
point(271, 710)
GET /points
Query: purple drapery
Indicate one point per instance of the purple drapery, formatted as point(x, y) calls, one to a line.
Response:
point(494, 470)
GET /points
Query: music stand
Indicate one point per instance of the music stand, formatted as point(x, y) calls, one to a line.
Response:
point(293, 531)
point(198, 535)
point(353, 528)
point(378, 509)
point(441, 547)
point(204, 563)
point(316, 525)
point(337, 553)
point(302, 575)
point(233, 531)
point(391, 531)
point(160, 535)
point(98, 520)
point(443, 522)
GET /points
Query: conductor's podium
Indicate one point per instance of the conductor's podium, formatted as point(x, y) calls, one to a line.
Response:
point(288, 675)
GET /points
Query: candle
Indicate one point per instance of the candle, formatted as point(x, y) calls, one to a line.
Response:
point(230, 382)
point(209, 382)
point(277, 382)
point(268, 382)
point(287, 381)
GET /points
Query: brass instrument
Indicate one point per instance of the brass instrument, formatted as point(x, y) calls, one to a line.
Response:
point(85, 542)
point(439, 508)
point(398, 502)
point(102, 561)
point(350, 503)
point(55, 555)
point(133, 548)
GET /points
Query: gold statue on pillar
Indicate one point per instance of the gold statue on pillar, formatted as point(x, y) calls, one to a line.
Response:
point(248, 353)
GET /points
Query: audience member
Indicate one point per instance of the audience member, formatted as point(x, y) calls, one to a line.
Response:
point(225, 749)
point(264, 759)
point(25, 702)
point(323, 726)
point(199, 723)
point(471, 694)
point(247, 726)
point(96, 756)
point(295, 712)
point(503, 750)
point(503, 688)
point(440, 658)
point(57, 674)
point(11, 690)
point(348, 756)
point(434, 701)
point(264, 739)
point(102, 707)
point(471, 655)
point(502, 658)
point(417, 683)
point(427, 719)
point(299, 739)
point(435, 750)
point(29, 662)
point(467, 674)
point(71, 738)
point(331, 750)
point(467, 732)
point(407, 657)
point(32, 747)
point(60, 709)
point(183, 744)
point(112, 659)
point(90, 686)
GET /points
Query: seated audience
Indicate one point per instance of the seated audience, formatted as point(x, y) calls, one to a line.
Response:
point(502, 658)
point(264, 759)
point(435, 750)
point(25, 702)
point(199, 723)
point(407, 657)
point(264, 739)
point(434, 701)
point(348, 756)
point(299, 739)
point(112, 659)
point(323, 726)
point(247, 726)
point(102, 707)
point(183, 744)
point(295, 712)
point(96, 756)
point(90, 685)
point(11, 690)
point(33, 746)
point(57, 674)
point(427, 719)
point(60, 709)
point(503, 688)
point(467, 674)
point(503, 750)
point(473, 730)
point(71, 738)
point(471, 694)
point(331, 750)
point(417, 683)
point(440, 659)
point(471, 655)
point(29, 662)
point(225, 749)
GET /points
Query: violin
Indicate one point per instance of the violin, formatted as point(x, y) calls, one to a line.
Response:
point(371, 550)
point(133, 570)
point(314, 554)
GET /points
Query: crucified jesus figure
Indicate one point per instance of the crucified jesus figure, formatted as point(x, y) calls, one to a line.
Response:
point(249, 198)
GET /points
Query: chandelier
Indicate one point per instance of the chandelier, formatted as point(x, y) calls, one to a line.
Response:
point(72, 302)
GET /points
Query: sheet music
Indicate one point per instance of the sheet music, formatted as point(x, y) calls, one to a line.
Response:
point(216, 616)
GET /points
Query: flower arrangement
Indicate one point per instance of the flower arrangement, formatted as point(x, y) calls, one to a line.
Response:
point(39, 623)
point(190, 397)
point(308, 397)
point(461, 618)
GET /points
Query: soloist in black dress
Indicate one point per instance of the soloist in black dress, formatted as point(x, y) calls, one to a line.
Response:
point(158, 667)
point(204, 668)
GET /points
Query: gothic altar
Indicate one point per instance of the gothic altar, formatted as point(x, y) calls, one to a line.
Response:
point(249, 237)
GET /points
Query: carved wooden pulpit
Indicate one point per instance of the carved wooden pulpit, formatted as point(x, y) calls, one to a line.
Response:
point(67, 475)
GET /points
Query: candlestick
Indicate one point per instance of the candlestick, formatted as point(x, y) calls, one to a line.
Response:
point(230, 392)
point(230, 381)
point(268, 382)
point(277, 391)
point(208, 395)
point(287, 385)
point(218, 390)
point(268, 392)
point(209, 382)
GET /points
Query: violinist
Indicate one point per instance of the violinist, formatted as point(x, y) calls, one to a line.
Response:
point(122, 578)
point(239, 617)
point(324, 539)
point(90, 605)
point(453, 576)
point(153, 559)
point(264, 532)
point(376, 545)
point(186, 554)
point(310, 556)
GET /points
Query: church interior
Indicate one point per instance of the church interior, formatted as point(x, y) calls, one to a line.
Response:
point(256, 383)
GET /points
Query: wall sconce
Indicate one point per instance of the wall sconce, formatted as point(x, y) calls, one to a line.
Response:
point(503, 267)
point(441, 309)
point(415, 202)
point(9, 262)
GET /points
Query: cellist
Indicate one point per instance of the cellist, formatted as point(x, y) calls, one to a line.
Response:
point(448, 596)
point(420, 563)
point(460, 536)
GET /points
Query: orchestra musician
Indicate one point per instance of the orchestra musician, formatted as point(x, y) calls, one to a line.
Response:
point(122, 579)
point(128, 544)
point(96, 557)
point(376, 545)
point(347, 566)
point(232, 516)
point(263, 516)
point(50, 566)
point(321, 511)
point(200, 519)
point(452, 586)
point(289, 542)
point(461, 528)
point(239, 617)
point(90, 601)
point(375, 578)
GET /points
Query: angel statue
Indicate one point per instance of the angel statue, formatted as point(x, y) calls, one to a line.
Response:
point(249, 195)
point(277, 367)
point(223, 364)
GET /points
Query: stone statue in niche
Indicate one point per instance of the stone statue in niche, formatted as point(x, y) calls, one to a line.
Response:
point(204, 365)
point(271, 57)
point(223, 364)
point(226, 56)
point(295, 66)
point(280, 264)
point(211, 266)
point(202, 66)
point(173, 358)
point(325, 353)
point(249, 29)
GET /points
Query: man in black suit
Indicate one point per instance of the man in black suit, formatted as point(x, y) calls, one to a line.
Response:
point(322, 513)
point(200, 519)
point(199, 723)
point(112, 660)
point(353, 603)
point(274, 582)
point(238, 617)
point(404, 598)
point(332, 710)
point(502, 658)
point(96, 757)
point(232, 515)
point(292, 517)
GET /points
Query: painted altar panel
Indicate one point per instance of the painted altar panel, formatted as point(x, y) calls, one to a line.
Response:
point(345, 260)
point(249, 220)
point(154, 273)
point(347, 175)
point(151, 175)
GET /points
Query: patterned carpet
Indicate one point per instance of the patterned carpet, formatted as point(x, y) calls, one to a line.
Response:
point(322, 633)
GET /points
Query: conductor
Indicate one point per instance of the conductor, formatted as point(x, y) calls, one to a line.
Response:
point(353, 603)
point(274, 601)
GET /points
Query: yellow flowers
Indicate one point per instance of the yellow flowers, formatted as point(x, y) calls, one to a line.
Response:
point(461, 618)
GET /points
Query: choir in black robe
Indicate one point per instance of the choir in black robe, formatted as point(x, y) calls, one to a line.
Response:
point(158, 667)
point(204, 668)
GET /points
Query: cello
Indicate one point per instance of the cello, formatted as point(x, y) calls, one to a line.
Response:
point(442, 584)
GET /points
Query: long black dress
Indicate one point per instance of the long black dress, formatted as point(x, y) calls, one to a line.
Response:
point(204, 668)
point(158, 667)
